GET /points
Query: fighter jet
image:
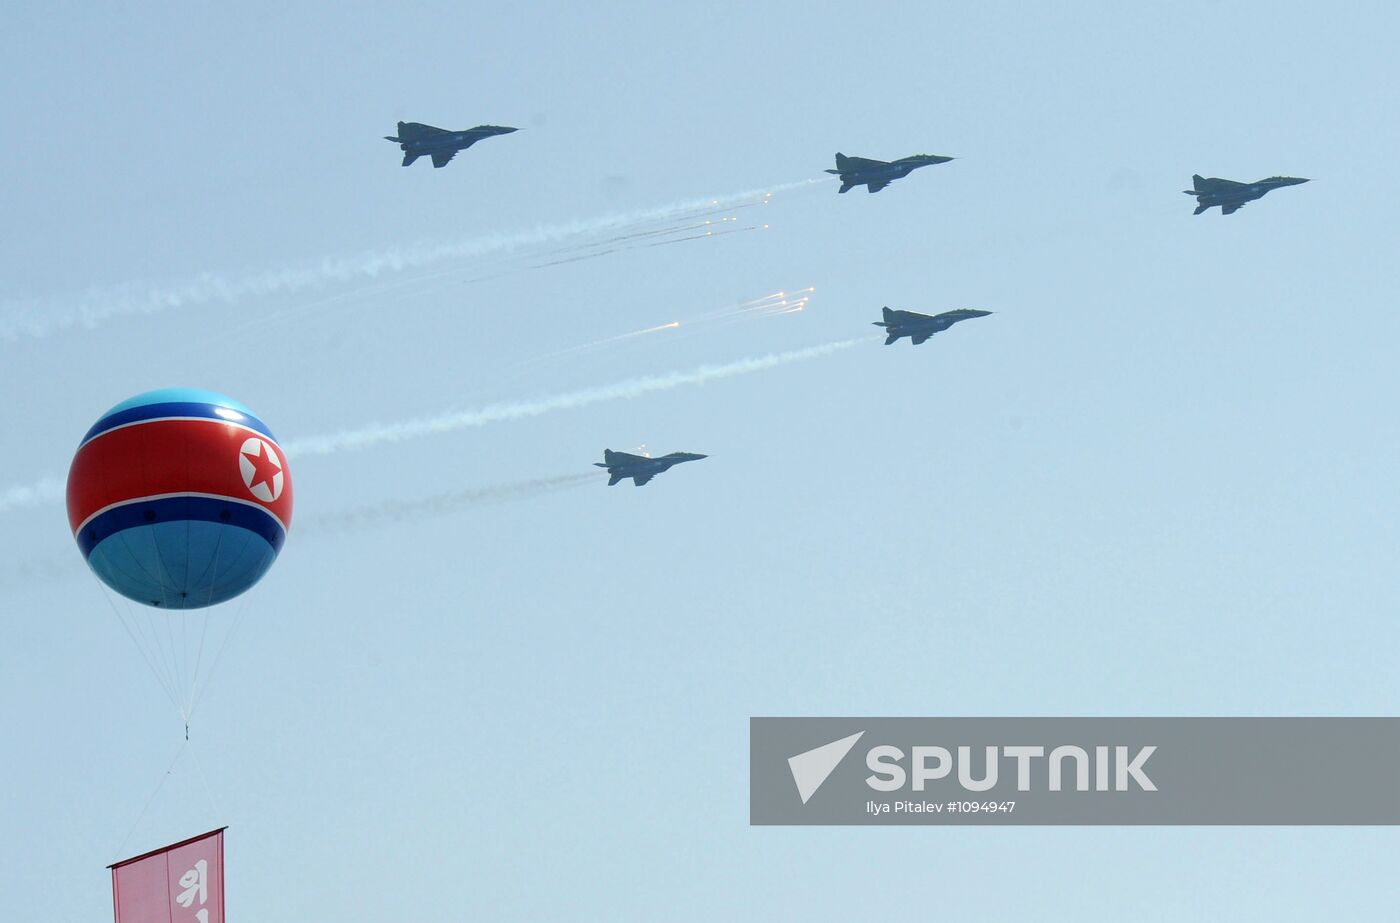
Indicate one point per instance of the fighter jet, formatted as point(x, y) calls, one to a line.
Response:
point(877, 174)
point(416, 139)
point(640, 468)
point(919, 327)
point(1230, 195)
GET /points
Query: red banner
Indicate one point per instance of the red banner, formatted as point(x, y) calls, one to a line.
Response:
point(180, 883)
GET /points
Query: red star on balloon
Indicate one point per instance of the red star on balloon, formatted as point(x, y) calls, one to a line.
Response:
point(265, 467)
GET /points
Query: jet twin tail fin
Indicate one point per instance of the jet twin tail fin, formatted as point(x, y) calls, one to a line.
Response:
point(892, 337)
point(889, 315)
point(846, 187)
point(409, 158)
point(842, 162)
point(612, 481)
point(1197, 180)
point(620, 458)
point(417, 131)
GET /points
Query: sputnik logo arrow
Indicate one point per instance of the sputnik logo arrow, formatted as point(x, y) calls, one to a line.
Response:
point(811, 769)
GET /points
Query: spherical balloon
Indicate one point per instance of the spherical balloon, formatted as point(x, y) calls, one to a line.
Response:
point(179, 498)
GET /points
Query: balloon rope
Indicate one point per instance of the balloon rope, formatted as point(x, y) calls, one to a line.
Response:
point(218, 655)
point(147, 806)
point(140, 649)
point(159, 652)
point(166, 586)
point(208, 793)
point(212, 576)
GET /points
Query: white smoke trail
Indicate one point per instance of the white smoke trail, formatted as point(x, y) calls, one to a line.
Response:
point(382, 433)
point(65, 566)
point(24, 496)
point(98, 306)
point(438, 504)
point(51, 490)
point(45, 569)
point(584, 347)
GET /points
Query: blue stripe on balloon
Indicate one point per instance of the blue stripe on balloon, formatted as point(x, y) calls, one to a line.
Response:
point(180, 396)
point(200, 411)
point(142, 513)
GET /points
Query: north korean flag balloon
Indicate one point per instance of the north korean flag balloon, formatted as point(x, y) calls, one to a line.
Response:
point(179, 498)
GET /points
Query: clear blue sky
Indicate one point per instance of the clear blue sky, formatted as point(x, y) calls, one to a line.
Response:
point(1160, 479)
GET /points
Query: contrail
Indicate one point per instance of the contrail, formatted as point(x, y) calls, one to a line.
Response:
point(759, 306)
point(44, 317)
point(382, 433)
point(56, 566)
point(603, 342)
point(651, 232)
point(676, 240)
point(40, 493)
point(52, 567)
point(51, 490)
point(636, 242)
point(401, 510)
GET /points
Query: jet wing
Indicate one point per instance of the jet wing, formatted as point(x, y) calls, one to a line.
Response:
point(641, 479)
point(441, 158)
point(920, 337)
point(876, 187)
point(1231, 209)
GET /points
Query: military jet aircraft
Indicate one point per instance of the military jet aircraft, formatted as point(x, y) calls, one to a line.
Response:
point(1230, 195)
point(416, 139)
point(875, 175)
point(919, 327)
point(640, 468)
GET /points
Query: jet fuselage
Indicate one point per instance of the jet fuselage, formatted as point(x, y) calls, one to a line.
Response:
point(456, 141)
point(877, 174)
point(418, 140)
point(1229, 195)
point(641, 468)
point(919, 327)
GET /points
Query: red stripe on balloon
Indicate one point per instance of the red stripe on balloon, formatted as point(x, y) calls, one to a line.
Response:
point(166, 457)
